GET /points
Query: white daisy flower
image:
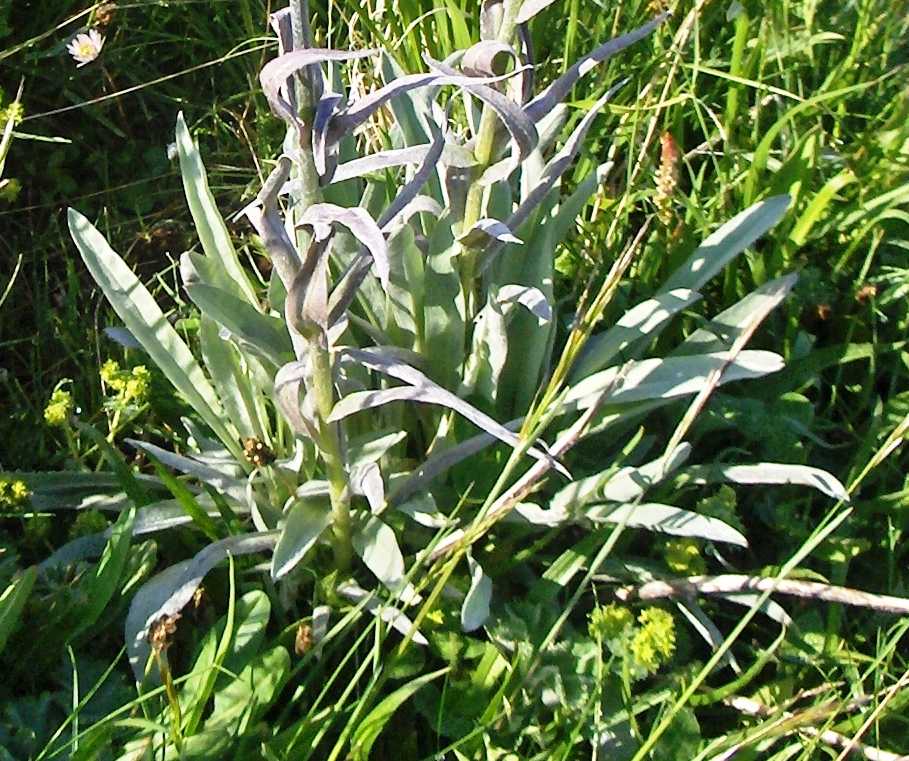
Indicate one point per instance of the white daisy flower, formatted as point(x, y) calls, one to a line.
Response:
point(85, 48)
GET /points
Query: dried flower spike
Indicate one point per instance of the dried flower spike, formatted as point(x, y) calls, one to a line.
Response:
point(161, 632)
point(257, 453)
point(85, 48)
point(667, 177)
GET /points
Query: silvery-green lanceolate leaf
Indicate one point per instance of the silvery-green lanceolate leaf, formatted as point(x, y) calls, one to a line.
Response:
point(277, 71)
point(387, 613)
point(640, 323)
point(727, 242)
point(559, 90)
point(374, 162)
point(486, 230)
point(769, 473)
point(360, 110)
point(168, 593)
point(366, 480)
point(372, 446)
point(423, 510)
point(144, 319)
point(377, 545)
point(722, 330)
point(361, 226)
point(264, 217)
point(623, 485)
point(665, 378)
point(668, 520)
point(242, 400)
point(475, 609)
point(235, 488)
point(409, 192)
point(123, 337)
point(305, 522)
point(209, 224)
point(530, 8)
point(424, 391)
point(521, 128)
point(264, 333)
point(158, 516)
point(532, 299)
point(440, 462)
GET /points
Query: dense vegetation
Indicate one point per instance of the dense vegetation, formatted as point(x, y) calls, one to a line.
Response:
point(261, 349)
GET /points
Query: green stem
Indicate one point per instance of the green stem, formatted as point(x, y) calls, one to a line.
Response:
point(329, 445)
point(486, 132)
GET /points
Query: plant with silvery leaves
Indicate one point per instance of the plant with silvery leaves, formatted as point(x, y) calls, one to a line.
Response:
point(407, 333)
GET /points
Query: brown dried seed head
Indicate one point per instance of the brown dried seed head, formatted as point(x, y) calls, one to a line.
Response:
point(303, 640)
point(161, 631)
point(867, 292)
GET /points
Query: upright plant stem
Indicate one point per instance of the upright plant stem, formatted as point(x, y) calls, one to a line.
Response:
point(323, 384)
point(483, 153)
point(330, 447)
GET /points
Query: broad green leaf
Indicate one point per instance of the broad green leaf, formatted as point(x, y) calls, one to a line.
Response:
point(106, 575)
point(265, 334)
point(239, 396)
point(819, 204)
point(668, 520)
point(444, 308)
point(369, 729)
point(723, 245)
point(306, 520)
point(210, 225)
point(12, 602)
point(135, 306)
point(475, 609)
point(377, 545)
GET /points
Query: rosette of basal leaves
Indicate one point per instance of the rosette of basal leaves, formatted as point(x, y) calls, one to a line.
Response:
point(406, 339)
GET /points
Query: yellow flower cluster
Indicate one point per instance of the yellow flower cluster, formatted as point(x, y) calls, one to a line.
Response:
point(131, 386)
point(59, 408)
point(645, 647)
point(683, 556)
point(13, 493)
point(654, 642)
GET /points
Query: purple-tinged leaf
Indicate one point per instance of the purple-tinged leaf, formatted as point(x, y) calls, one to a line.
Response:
point(287, 394)
point(422, 175)
point(361, 226)
point(491, 14)
point(326, 109)
point(426, 392)
point(277, 71)
point(488, 58)
point(559, 90)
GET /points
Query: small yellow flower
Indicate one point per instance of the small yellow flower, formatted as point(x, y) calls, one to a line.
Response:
point(85, 48)
point(59, 408)
point(13, 493)
point(136, 387)
point(654, 643)
point(683, 556)
point(609, 622)
point(15, 112)
point(111, 375)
